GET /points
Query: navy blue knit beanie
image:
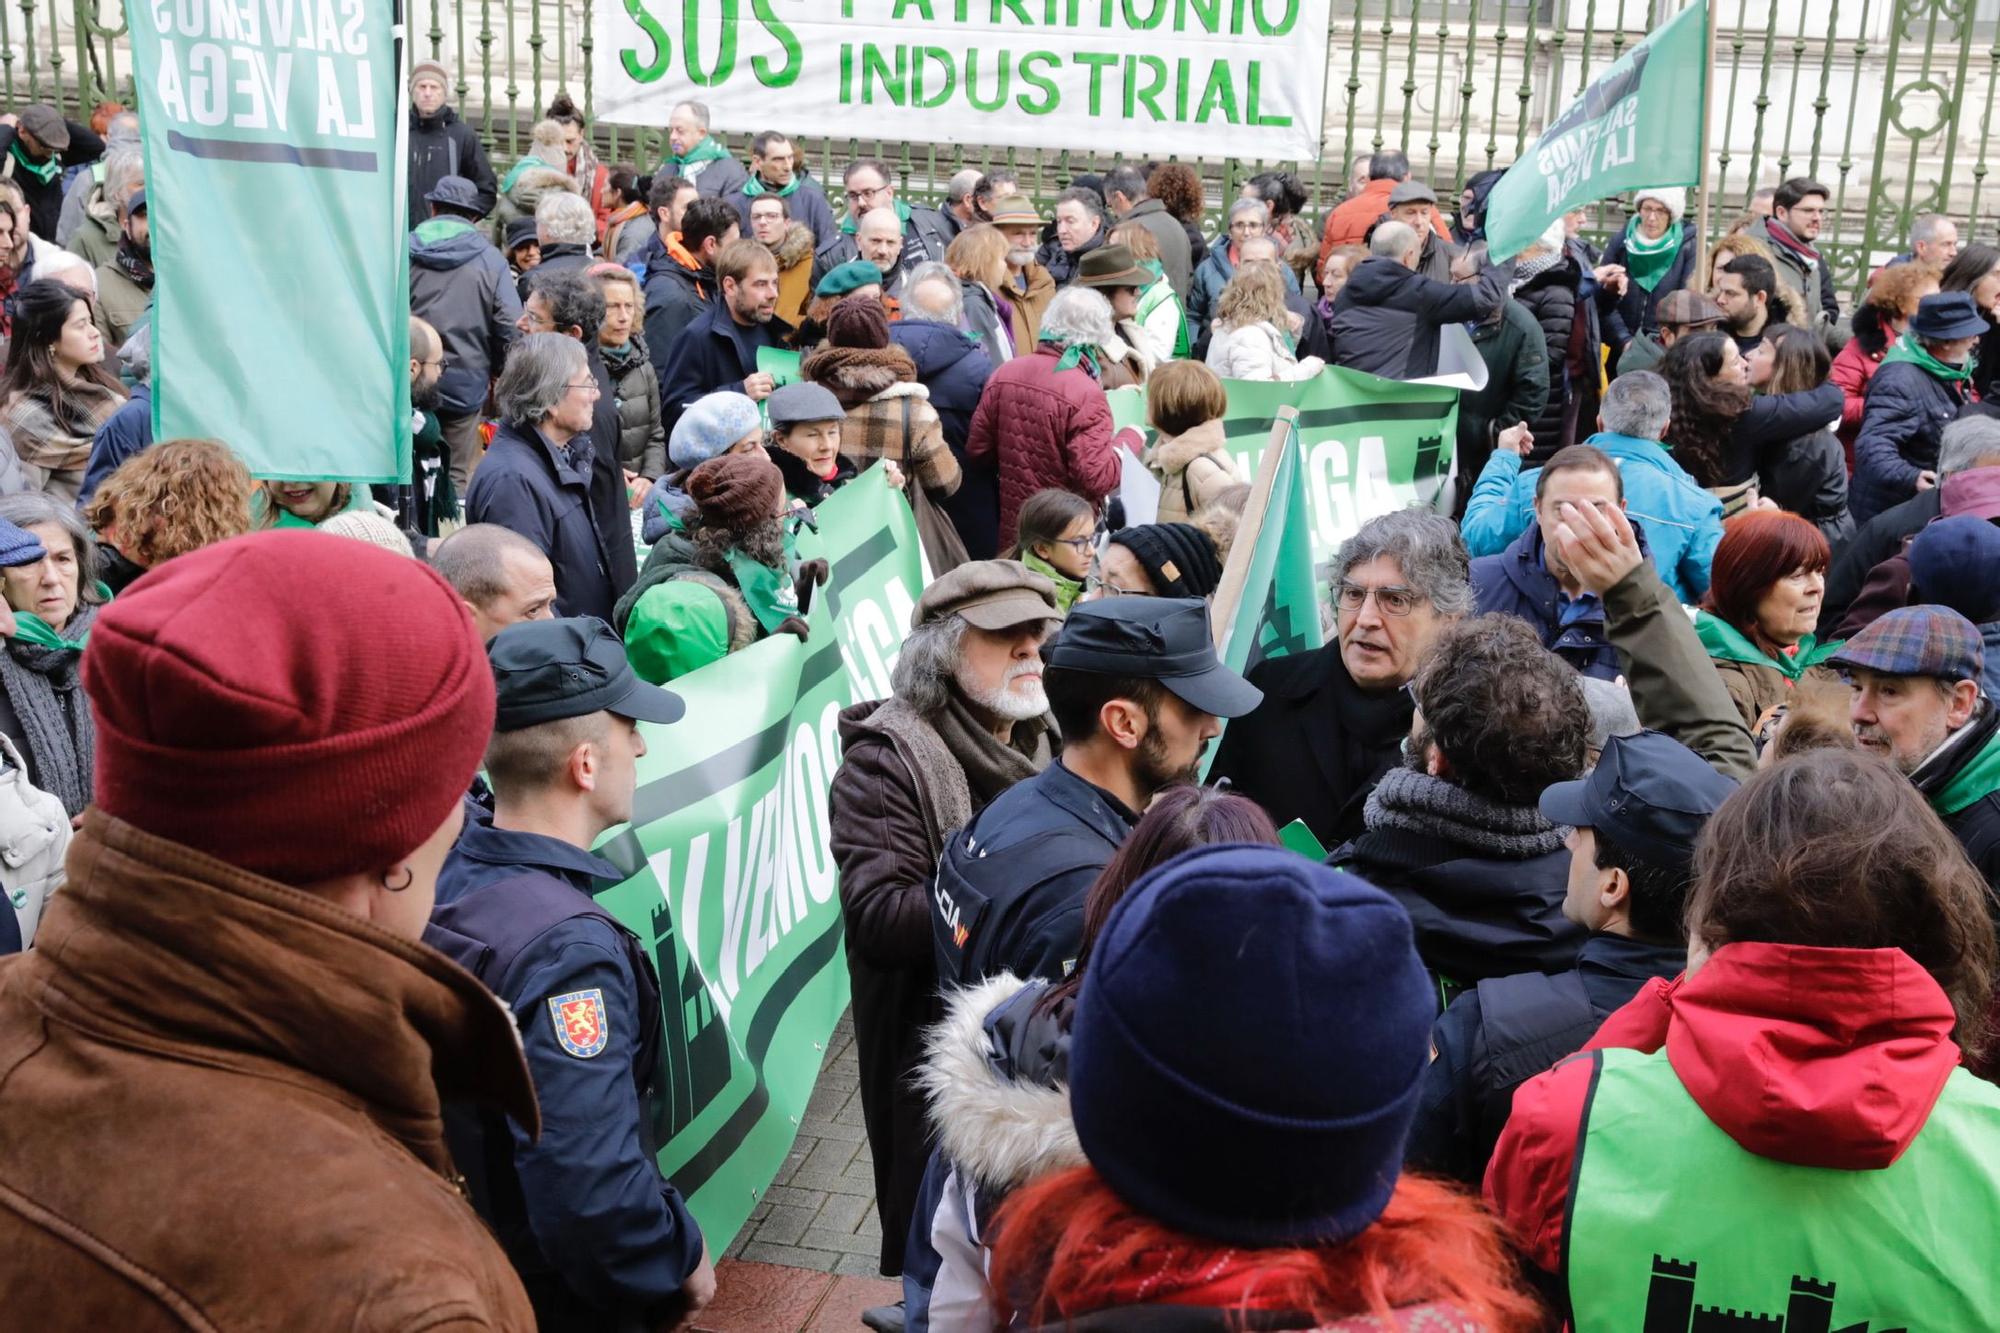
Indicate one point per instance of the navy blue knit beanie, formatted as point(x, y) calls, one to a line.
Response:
point(1248, 1047)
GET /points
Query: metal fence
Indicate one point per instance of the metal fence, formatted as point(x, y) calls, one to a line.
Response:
point(1889, 102)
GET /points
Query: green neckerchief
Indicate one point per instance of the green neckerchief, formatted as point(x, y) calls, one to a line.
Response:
point(708, 150)
point(850, 224)
point(31, 628)
point(1726, 643)
point(1975, 780)
point(1076, 354)
point(769, 592)
point(1646, 262)
point(1067, 588)
point(41, 171)
point(1908, 349)
point(754, 187)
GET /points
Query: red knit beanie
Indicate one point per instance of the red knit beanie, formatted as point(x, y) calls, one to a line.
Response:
point(858, 321)
point(298, 705)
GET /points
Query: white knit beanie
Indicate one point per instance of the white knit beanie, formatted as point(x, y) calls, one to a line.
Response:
point(1671, 197)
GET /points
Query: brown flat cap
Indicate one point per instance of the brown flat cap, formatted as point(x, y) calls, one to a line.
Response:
point(990, 594)
point(1686, 309)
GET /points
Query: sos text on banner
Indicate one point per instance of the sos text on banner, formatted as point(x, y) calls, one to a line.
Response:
point(1198, 78)
point(273, 132)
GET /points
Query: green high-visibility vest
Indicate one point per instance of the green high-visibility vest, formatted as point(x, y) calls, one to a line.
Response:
point(1669, 1218)
point(1158, 295)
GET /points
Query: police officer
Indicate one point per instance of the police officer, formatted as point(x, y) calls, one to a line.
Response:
point(1137, 691)
point(601, 1240)
point(1635, 818)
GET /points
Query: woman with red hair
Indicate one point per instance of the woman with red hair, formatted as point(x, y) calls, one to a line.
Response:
point(1763, 599)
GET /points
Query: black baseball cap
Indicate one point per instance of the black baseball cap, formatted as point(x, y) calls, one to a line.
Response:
point(547, 670)
point(1153, 638)
point(1649, 794)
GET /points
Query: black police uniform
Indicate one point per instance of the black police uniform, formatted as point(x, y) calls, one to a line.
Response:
point(600, 1239)
point(1010, 886)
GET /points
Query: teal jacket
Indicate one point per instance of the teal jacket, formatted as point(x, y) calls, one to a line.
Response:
point(1682, 522)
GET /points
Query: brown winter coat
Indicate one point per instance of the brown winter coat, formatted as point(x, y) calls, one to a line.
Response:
point(1029, 306)
point(1192, 469)
point(795, 261)
point(222, 1109)
point(889, 414)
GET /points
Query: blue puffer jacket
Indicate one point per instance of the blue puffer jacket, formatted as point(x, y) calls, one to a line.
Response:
point(1902, 421)
point(1679, 520)
point(1517, 583)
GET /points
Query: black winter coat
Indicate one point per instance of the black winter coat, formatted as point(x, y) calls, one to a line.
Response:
point(675, 296)
point(712, 353)
point(1875, 541)
point(1386, 320)
point(1315, 747)
point(1517, 387)
point(443, 145)
point(610, 503)
point(955, 370)
point(521, 485)
point(1977, 826)
point(1809, 477)
point(1551, 298)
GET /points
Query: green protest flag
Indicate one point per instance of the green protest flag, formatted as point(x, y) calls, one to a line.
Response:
point(731, 884)
point(275, 186)
point(1267, 604)
point(1638, 124)
point(780, 365)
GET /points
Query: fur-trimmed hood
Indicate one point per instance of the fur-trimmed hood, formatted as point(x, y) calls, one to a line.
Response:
point(795, 247)
point(1173, 453)
point(992, 1074)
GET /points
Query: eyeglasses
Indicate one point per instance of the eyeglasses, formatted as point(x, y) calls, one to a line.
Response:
point(1081, 545)
point(862, 196)
point(587, 384)
point(1390, 601)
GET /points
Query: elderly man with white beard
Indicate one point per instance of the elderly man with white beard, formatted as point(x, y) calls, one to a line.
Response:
point(967, 721)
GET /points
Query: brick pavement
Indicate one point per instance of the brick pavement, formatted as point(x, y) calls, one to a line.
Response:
point(807, 1258)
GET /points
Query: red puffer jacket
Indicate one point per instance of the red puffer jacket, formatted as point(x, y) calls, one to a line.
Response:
point(1045, 429)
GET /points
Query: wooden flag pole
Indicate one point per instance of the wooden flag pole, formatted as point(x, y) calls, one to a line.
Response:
point(1701, 233)
point(1243, 547)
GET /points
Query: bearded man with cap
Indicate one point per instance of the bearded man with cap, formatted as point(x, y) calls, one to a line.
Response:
point(733, 583)
point(1137, 693)
point(1918, 704)
point(968, 719)
point(600, 1239)
point(226, 1052)
point(1633, 822)
point(1244, 1061)
point(443, 145)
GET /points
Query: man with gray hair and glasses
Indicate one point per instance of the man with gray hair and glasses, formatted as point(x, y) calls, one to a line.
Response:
point(1682, 522)
point(1968, 470)
point(1333, 719)
point(536, 477)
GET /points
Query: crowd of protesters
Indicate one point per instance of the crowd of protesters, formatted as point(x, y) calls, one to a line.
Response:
point(1644, 967)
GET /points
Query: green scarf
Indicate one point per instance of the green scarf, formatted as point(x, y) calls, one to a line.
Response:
point(754, 187)
point(41, 171)
point(1067, 588)
point(769, 592)
point(1646, 262)
point(1077, 354)
point(851, 224)
point(31, 628)
point(1726, 643)
point(1908, 349)
point(1976, 779)
point(708, 150)
point(432, 230)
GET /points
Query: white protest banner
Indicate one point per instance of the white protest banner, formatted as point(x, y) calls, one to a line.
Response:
point(1198, 78)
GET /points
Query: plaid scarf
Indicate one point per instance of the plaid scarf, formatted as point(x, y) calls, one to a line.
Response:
point(54, 431)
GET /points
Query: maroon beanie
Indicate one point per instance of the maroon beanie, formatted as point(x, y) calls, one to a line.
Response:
point(858, 321)
point(298, 705)
point(736, 492)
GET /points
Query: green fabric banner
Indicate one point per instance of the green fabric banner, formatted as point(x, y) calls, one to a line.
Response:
point(1365, 445)
point(732, 885)
point(275, 181)
point(1639, 124)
